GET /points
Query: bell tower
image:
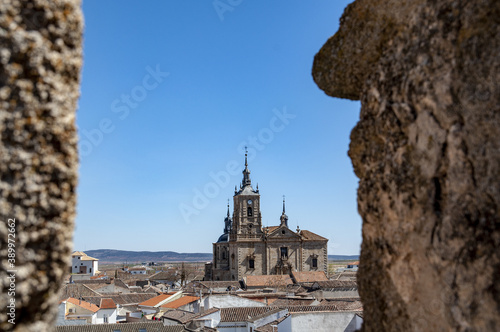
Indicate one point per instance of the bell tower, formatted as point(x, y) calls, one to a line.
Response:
point(247, 220)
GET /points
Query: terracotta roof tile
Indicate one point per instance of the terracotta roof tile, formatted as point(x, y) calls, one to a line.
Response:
point(180, 302)
point(180, 316)
point(88, 258)
point(310, 236)
point(76, 291)
point(268, 280)
point(164, 275)
point(310, 308)
point(83, 304)
point(337, 284)
point(128, 327)
point(309, 276)
point(292, 301)
point(344, 304)
point(122, 299)
point(107, 303)
point(242, 314)
point(155, 300)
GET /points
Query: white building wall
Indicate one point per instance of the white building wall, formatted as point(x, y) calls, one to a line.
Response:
point(321, 321)
point(92, 266)
point(229, 301)
point(285, 325)
point(111, 316)
point(232, 327)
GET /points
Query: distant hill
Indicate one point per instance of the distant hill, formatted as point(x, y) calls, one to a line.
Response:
point(121, 256)
point(343, 257)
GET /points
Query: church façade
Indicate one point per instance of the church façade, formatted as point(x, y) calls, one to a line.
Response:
point(247, 248)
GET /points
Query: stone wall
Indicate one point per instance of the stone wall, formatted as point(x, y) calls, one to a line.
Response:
point(427, 152)
point(40, 59)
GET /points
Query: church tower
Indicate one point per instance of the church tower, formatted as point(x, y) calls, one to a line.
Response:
point(246, 248)
point(247, 220)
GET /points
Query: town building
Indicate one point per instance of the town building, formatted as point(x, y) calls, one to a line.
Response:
point(83, 264)
point(247, 248)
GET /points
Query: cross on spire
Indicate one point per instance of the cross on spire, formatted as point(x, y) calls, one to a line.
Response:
point(246, 172)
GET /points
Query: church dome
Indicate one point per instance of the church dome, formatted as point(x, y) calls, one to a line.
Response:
point(223, 238)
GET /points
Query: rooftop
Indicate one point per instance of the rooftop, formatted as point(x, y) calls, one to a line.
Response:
point(155, 301)
point(268, 280)
point(309, 276)
point(128, 327)
point(180, 302)
point(83, 304)
point(107, 303)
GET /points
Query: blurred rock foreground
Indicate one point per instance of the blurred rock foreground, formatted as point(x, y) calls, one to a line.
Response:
point(427, 152)
point(40, 56)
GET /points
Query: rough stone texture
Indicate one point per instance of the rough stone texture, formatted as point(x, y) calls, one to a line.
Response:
point(40, 56)
point(427, 152)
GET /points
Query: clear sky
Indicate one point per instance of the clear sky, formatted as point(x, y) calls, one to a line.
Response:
point(171, 93)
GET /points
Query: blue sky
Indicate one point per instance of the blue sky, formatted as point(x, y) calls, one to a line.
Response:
point(171, 93)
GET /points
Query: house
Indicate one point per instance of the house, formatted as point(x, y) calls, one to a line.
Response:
point(208, 319)
point(165, 277)
point(83, 264)
point(283, 324)
point(189, 303)
point(248, 319)
point(152, 305)
point(126, 303)
point(352, 266)
point(61, 317)
point(326, 321)
point(137, 270)
point(229, 301)
point(107, 312)
point(78, 309)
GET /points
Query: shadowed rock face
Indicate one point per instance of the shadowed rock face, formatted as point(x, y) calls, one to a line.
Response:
point(40, 59)
point(427, 152)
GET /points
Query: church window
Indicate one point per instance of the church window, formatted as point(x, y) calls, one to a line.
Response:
point(314, 262)
point(223, 254)
point(284, 252)
point(251, 264)
point(249, 212)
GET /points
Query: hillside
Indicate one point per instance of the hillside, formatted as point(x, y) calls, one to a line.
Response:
point(121, 256)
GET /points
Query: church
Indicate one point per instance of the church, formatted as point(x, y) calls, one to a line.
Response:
point(246, 248)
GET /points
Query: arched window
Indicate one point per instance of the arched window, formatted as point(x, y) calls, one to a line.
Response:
point(249, 212)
